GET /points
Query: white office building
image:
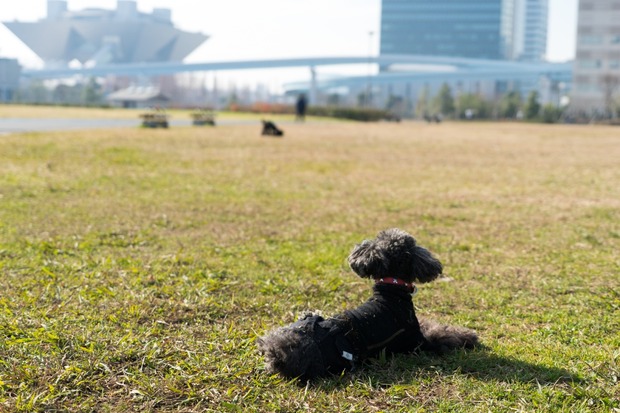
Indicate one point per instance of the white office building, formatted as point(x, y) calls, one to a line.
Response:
point(596, 73)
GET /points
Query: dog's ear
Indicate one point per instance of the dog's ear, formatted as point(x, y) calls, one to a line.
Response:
point(426, 267)
point(368, 260)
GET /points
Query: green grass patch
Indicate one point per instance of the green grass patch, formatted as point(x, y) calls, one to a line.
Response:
point(138, 267)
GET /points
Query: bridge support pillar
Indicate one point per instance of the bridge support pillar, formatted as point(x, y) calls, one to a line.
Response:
point(313, 88)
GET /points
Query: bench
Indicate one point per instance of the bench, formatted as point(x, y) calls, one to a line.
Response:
point(203, 117)
point(154, 120)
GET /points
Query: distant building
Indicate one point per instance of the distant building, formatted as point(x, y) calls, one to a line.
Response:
point(490, 31)
point(101, 36)
point(596, 73)
point(481, 29)
point(139, 97)
point(10, 71)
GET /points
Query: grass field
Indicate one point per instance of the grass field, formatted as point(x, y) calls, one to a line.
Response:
point(138, 267)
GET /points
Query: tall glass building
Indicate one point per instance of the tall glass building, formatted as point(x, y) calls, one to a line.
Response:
point(483, 29)
point(524, 29)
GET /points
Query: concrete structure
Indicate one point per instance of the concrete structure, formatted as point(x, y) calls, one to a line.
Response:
point(482, 29)
point(10, 72)
point(100, 36)
point(596, 75)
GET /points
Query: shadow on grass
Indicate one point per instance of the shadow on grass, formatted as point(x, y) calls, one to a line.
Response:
point(479, 363)
point(484, 365)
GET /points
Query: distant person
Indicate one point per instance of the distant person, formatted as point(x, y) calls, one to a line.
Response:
point(300, 108)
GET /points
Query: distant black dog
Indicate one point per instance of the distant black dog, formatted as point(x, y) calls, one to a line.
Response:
point(270, 129)
point(313, 346)
point(433, 118)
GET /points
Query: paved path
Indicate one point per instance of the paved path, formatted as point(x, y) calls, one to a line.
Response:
point(16, 125)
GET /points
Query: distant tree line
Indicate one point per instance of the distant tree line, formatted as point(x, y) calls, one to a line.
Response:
point(443, 105)
point(79, 94)
point(183, 90)
point(511, 105)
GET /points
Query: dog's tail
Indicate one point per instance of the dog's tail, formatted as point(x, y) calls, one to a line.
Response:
point(291, 354)
point(441, 337)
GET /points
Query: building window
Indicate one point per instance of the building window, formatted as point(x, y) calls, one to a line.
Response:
point(582, 79)
point(586, 5)
point(590, 39)
point(614, 64)
point(590, 64)
point(586, 87)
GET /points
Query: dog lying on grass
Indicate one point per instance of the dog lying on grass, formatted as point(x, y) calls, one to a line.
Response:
point(270, 129)
point(314, 347)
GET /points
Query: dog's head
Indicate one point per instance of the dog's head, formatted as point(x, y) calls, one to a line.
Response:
point(394, 253)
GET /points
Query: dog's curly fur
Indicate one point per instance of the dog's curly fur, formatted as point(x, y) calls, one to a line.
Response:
point(313, 346)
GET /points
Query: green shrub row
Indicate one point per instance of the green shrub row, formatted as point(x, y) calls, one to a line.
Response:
point(359, 114)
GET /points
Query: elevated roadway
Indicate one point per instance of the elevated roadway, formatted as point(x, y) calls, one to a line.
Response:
point(407, 69)
point(442, 66)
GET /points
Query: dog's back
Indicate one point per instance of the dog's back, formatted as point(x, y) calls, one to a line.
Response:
point(386, 322)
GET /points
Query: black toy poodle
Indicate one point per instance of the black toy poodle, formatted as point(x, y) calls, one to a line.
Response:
point(315, 347)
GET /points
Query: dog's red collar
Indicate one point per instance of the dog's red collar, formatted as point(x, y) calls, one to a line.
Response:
point(411, 288)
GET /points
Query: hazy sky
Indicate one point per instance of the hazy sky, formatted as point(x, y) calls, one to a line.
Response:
point(254, 29)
